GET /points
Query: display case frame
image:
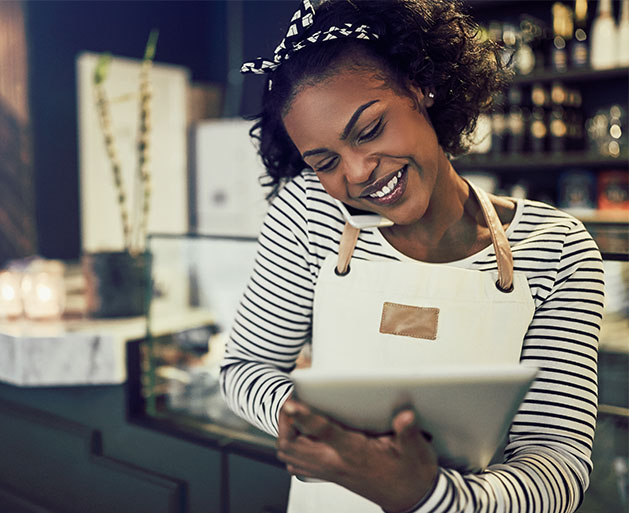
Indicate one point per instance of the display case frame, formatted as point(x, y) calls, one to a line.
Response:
point(149, 401)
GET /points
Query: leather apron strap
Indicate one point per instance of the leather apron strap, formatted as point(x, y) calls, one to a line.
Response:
point(346, 248)
point(504, 257)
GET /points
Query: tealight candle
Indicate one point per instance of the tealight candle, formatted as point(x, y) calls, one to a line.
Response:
point(10, 294)
point(43, 290)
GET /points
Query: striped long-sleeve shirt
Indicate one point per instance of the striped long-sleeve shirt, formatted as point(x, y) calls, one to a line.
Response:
point(547, 461)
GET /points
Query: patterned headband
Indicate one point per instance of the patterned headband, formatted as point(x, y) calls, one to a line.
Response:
point(296, 39)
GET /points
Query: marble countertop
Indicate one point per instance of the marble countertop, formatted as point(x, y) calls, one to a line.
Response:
point(80, 352)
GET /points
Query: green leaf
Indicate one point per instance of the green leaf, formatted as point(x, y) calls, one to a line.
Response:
point(151, 45)
point(102, 68)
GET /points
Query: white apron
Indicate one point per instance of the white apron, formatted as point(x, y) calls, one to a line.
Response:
point(401, 315)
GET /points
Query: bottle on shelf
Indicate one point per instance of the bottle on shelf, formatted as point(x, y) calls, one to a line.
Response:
point(623, 35)
point(577, 191)
point(574, 120)
point(558, 132)
point(596, 128)
point(579, 51)
point(604, 46)
point(495, 34)
point(605, 131)
point(536, 32)
point(562, 34)
point(613, 190)
point(525, 55)
point(494, 31)
point(538, 127)
point(617, 125)
point(516, 122)
point(498, 125)
point(509, 43)
point(481, 138)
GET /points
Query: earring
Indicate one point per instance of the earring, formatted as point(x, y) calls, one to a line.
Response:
point(431, 95)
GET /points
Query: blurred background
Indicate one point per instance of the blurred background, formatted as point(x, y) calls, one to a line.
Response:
point(564, 118)
point(153, 160)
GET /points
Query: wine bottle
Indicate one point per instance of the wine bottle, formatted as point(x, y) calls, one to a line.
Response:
point(574, 121)
point(498, 125)
point(558, 125)
point(509, 43)
point(538, 127)
point(562, 33)
point(525, 55)
point(579, 51)
point(539, 39)
point(604, 47)
point(616, 127)
point(515, 122)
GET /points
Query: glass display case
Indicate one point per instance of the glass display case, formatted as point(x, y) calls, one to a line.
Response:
point(609, 487)
point(203, 277)
point(200, 278)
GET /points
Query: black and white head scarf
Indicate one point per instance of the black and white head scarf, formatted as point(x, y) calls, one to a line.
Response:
point(296, 38)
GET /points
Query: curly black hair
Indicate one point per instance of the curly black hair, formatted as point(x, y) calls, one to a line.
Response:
point(432, 44)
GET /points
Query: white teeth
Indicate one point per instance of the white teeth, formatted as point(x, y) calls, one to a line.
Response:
point(388, 187)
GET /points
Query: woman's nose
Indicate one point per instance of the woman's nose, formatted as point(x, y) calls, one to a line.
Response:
point(359, 168)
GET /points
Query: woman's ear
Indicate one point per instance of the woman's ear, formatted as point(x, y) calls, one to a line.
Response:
point(429, 96)
point(424, 96)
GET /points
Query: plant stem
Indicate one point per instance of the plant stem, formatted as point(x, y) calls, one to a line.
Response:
point(102, 106)
point(144, 128)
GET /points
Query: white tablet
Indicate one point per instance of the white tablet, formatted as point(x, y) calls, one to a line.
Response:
point(467, 411)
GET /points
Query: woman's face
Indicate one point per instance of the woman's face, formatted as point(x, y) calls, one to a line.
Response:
point(371, 147)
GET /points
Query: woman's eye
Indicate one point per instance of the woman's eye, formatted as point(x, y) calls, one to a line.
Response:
point(371, 132)
point(326, 165)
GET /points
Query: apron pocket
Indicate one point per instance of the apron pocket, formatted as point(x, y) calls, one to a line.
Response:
point(410, 321)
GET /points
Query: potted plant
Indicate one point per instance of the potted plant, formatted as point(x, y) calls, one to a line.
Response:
point(117, 282)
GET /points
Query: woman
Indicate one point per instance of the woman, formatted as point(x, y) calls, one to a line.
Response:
point(366, 101)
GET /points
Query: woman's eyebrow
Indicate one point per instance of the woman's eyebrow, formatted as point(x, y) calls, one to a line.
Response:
point(354, 118)
point(313, 152)
point(348, 128)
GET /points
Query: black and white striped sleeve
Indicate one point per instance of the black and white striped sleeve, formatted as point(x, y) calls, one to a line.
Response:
point(547, 460)
point(274, 316)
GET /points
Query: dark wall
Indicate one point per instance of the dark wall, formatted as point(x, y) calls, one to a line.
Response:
point(203, 35)
point(194, 34)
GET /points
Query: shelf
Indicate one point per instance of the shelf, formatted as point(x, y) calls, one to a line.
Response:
point(214, 432)
point(605, 217)
point(617, 411)
point(575, 75)
point(543, 162)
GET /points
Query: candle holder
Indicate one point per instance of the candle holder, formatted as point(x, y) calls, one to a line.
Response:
point(43, 290)
point(10, 294)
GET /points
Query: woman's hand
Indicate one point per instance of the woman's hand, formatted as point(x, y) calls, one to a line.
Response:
point(395, 471)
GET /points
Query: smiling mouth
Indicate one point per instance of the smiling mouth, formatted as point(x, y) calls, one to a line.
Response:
point(389, 191)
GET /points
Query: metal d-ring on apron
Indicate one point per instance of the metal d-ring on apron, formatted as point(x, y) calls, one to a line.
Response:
point(408, 315)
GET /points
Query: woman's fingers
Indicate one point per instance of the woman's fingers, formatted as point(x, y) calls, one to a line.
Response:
point(404, 420)
point(406, 427)
point(299, 472)
point(308, 458)
point(286, 423)
point(301, 451)
point(311, 424)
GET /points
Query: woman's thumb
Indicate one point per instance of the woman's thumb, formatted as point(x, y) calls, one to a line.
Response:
point(406, 427)
point(404, 422)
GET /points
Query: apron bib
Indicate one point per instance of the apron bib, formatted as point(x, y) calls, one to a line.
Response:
point(409, 315)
